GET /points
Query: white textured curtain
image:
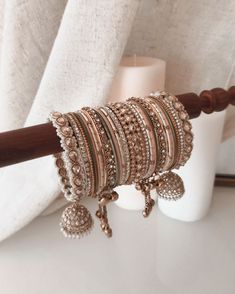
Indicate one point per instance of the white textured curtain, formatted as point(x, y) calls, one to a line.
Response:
point(55, 55)
point(63, 55)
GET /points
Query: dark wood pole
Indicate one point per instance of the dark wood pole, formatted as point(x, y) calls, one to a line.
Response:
point(41, 140)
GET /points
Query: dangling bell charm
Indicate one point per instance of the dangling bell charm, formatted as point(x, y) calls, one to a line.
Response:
point(149, 203)
point(170, 186)
point(145, 187)
point(105, 198)
point(76, 221)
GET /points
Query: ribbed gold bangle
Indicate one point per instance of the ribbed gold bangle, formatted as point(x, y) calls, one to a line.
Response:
point(182, 126)
point(119, 141)
point(109, 158)
point(91, 144)
point(175, 133)
point(102, 176)
point(167, 130)
point(173, 102)
point(175, 127)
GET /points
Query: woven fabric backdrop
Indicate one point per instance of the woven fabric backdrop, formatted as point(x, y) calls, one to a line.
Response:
point(62, 55)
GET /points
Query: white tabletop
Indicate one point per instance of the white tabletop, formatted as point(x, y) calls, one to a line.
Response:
point(155, 255)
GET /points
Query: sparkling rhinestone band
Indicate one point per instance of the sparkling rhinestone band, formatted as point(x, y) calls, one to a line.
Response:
point(132, 134)
point(145, 138)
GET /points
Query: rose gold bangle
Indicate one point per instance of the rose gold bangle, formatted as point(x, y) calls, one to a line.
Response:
point(90, 145)
point(167, 131)
point(109, 158)
point(160, 133)
point(99, 152)
point(182, 126)
point(186, 126)
point(121, 165)
point(175, 126)
point(174, 140)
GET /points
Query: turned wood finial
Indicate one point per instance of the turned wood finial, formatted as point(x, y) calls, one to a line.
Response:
point(216, 99)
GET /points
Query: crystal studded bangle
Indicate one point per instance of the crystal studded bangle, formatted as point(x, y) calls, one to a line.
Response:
point(73, 166)
point(135, 145)
point(85, 152)
point(76, 220)
point(144, 138)
point(150, 139)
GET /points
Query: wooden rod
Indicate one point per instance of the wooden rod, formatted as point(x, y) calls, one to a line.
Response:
point(225, 180)
point(41, 140)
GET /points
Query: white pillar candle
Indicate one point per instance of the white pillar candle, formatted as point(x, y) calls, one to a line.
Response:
point(136, 76)
point(199, 172)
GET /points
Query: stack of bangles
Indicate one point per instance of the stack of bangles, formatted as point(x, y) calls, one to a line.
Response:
point(138, 142)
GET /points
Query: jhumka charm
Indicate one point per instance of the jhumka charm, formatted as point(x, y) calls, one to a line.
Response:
point(170, 186)
point(76, 221)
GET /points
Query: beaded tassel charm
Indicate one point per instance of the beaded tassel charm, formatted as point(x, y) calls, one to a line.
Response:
point(103, 199)
point(170, 186)
point(76, 221)
point(145, 186)
point(149, 203)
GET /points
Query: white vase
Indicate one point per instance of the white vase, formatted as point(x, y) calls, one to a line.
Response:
point(199, 172)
